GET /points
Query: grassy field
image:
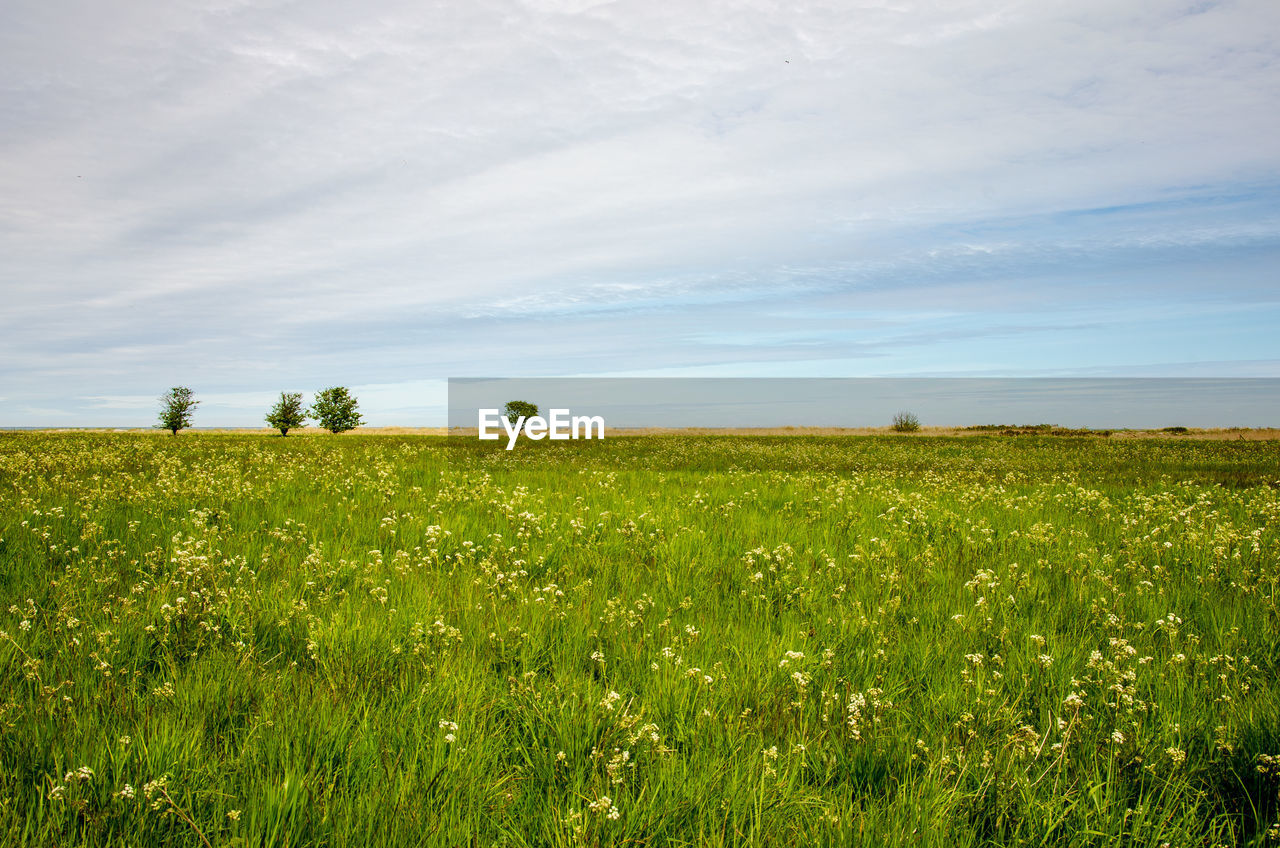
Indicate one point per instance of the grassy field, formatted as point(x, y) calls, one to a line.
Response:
point(665, 640)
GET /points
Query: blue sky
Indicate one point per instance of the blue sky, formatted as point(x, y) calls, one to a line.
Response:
point(250, 197)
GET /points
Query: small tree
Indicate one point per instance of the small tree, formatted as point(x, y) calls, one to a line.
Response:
point(515, 409)
point(905, 422)
point(287, 413)
point(176, 407)
point(336, 410)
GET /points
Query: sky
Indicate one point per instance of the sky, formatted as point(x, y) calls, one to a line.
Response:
point(254, 197)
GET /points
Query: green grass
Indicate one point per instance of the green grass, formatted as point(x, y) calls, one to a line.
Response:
point(737, 641)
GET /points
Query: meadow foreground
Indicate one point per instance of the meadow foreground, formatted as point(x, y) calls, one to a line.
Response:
point(671, 640)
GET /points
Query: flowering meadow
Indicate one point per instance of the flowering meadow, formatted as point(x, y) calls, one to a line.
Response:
point(355, 640)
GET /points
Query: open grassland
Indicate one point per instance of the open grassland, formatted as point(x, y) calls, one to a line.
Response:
point(674, 640)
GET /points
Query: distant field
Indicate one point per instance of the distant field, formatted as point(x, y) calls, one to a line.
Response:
point(681, 639)
point(1212, 434)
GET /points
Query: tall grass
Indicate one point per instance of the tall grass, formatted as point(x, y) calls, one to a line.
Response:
point(722, 641)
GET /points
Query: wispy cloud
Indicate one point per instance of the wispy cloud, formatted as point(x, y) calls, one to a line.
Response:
point(253, 197)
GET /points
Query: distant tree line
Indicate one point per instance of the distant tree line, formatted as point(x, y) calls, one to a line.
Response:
point(335, 409)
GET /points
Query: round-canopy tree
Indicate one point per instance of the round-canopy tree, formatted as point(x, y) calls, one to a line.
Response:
point(336, 410)
point(287, 413)
point(176, 407)
point(517, 409)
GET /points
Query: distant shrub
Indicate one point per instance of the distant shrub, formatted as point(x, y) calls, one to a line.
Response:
point(905, 422)
point(1176, 430)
